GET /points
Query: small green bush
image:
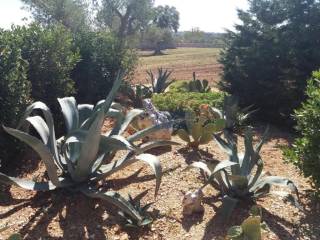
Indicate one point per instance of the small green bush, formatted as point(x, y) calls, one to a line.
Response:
point(179, 87)
point(101, 59)
point(305, 152)
point(178, 103)
point(14, 91)
point(51, 57)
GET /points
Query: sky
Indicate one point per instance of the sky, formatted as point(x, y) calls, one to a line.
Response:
point(208, 15)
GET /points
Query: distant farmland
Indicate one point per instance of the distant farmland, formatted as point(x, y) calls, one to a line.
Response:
point(184, 61)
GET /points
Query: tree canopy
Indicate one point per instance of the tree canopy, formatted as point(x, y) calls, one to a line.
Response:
point(271, 54)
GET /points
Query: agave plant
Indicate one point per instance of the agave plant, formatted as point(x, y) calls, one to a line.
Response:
point(160, 82)
point(84, 156)
point(142, 210)
point(234, 116)
point(241, 178)
point(250, 229)
point(136, 94)
point(200, 86)
point(199, 130)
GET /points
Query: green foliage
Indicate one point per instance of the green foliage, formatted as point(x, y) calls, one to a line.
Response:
point(241, 177)
point(234, 117)
point(74, 15)
point(271, 54)
point(49, 52)
point(101, 58)
point(179, 103)
point(14, 90)
point(83, 157)
point(142, 210)
point(157, 39)
point(196, 85)
point(166, 17)
point(305, 151)
point(135, 94)
point(250, 229)
point(199, 130)
point(179, 87)
point(161, 81)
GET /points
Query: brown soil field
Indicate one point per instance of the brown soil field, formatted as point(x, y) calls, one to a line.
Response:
point(183, 62)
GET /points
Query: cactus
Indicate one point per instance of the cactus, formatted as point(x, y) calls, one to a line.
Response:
point(250, 229)
point(196, 85)
point(199, 130)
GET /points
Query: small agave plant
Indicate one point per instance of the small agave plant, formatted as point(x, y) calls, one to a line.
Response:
point(84, 156)
point(142, 210)
point(241, 178)
point(200, 86)
point(199, 130)
point(234, 117)
point(161, 82)
point(250, 229)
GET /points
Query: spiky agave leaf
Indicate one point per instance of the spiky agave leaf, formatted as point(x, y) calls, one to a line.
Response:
point(142, 210)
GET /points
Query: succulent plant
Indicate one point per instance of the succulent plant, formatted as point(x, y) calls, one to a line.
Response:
point(142, 210)
point(84, 156)
point(234, 116)
point(199, 130)
point(160, 82)
point(196, 85)
point(136, 94)
point(250, 229)
point(241, 177)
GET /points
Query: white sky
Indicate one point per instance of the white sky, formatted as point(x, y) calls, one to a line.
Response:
point(208, 15)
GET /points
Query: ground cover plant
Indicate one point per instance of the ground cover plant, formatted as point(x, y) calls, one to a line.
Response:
point(82, 157)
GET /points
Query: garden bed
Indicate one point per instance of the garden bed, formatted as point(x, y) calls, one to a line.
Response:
point(61, 215)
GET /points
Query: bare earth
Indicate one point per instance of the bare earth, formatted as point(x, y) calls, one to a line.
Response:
point(65, 215)
point(184, 61)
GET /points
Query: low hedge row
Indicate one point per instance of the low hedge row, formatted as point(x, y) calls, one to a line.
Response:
point(179, 102)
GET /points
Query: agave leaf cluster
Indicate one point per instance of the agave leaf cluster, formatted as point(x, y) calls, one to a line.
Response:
point(199, 130)
point(142, 210)
point(160, 82)
point(234, 116)
point(84, 156)
point(136, 94)
point(241, 177)
point(200, 86)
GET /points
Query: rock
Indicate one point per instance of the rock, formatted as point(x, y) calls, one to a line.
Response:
point(192, 202)
point(152, 117)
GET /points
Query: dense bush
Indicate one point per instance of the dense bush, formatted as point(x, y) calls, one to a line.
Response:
point(266, 63)
point(51, 57)
point(101, 59)
point(178, 103)
point(305, 152)
point(14, 91)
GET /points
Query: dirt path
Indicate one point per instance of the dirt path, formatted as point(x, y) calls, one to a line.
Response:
point(64, 215)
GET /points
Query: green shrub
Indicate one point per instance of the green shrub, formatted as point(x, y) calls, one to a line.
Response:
point(101, 59)
point(51, 57)
point(266, 63)
point(14, 90)
point(178, 103)
point(179, 87)
point(305, 152)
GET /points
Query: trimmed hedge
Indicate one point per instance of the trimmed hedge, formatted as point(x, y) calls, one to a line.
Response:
point(178, 103)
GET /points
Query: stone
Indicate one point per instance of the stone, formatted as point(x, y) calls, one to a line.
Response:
point(152, 117)
point(192, 202)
